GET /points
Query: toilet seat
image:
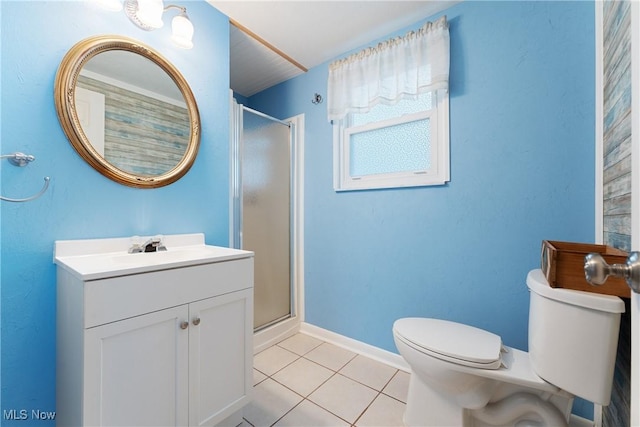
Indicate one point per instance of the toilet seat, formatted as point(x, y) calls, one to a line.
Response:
point(452, 342)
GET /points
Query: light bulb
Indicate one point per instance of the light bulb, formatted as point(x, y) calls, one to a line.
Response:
point(150, 13)
point(182, 31)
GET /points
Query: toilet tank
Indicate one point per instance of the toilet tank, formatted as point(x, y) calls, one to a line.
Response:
point(573, 338)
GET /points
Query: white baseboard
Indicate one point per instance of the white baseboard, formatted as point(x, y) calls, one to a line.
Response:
point(356, 346)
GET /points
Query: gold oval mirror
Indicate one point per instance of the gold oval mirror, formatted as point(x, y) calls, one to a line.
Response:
point(127, 111)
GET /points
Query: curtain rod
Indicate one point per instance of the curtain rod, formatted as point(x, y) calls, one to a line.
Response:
point(267, 44)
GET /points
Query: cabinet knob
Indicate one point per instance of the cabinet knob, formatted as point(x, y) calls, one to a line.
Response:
point(196, 321)
point(184, 324)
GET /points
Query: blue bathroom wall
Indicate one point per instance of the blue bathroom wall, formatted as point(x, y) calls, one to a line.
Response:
point(240, 99)
point(80, 202)
point(522, 170)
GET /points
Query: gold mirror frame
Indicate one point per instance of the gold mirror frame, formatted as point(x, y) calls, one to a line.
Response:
point(64, 95)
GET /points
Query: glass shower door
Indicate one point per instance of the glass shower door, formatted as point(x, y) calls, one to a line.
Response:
point(265, 225)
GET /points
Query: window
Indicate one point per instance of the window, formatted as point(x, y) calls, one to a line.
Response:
point(404, 145)
point(389, 106)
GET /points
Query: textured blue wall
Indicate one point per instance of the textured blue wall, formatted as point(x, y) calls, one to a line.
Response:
point(522, 170)
point(81, 203)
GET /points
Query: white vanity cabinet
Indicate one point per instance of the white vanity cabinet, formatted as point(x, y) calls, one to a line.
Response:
point(166, 344)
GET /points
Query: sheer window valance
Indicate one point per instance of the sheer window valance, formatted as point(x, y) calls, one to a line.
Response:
point(403, 67)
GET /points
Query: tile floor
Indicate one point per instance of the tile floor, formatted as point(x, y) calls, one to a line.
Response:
point(305, 382)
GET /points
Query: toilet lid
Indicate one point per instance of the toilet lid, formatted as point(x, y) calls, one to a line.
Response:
point(451, 341)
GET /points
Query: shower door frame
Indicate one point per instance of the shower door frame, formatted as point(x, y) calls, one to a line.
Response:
point(270, 333)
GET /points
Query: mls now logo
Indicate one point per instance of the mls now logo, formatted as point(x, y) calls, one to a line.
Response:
point(23, 414)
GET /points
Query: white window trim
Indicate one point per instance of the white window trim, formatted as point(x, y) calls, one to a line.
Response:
point(439, 173)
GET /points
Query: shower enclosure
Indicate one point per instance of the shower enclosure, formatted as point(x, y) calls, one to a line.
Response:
point(262, 170)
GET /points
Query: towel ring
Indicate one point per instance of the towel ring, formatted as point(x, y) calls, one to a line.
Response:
point(21, 160)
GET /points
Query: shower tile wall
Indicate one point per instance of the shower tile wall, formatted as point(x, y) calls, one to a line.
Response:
point(617, 178)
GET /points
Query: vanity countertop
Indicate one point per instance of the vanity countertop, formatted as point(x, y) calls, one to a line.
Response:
point(93, 259)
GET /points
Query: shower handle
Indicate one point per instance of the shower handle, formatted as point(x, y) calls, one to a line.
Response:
point(597, 271)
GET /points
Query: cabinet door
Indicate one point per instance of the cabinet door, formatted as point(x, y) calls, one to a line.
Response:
point(136, 371)
point(220, 356)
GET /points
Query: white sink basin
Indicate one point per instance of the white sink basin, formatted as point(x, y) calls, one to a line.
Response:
point(102, 258)
point(164, 257)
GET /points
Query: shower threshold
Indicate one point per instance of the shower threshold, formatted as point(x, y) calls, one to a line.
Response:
point(273, 322)
point(274, 332)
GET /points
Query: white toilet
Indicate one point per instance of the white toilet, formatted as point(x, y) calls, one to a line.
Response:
point(465, 376)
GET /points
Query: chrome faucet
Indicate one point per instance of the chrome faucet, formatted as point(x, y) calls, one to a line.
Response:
point(154, 244)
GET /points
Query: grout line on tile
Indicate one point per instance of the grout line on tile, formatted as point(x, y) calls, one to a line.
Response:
point(340, 367)
point(348, 361)
point(389, 380)
point(261, 373)
point(271, 376)
point(301, 355)
point(285, 414)
point(354, 380)
point(394, 398)
point(334, 414)
point(355, 423)
point(305, 397)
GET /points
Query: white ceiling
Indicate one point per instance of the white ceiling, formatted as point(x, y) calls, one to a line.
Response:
point(310, 32)
point(128, 70)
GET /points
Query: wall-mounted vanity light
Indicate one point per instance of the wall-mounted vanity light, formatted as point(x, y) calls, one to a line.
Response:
point(147, 14)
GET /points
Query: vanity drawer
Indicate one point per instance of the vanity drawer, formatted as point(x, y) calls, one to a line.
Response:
point(112, 299)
